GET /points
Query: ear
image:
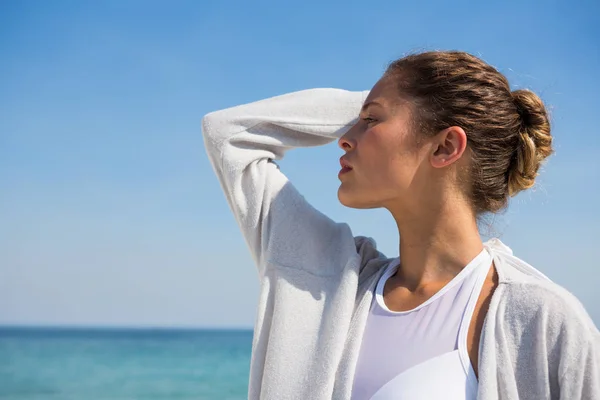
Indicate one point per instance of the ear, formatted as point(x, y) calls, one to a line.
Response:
point(449, 146)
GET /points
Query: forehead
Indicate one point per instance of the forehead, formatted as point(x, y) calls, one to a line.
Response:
point(385, 93)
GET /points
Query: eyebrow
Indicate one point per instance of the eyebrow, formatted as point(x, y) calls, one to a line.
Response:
point(370, 103)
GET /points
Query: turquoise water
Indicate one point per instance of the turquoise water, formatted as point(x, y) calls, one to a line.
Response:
point(95, 364)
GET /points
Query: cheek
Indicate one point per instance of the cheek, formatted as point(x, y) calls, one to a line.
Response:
point(392, 170)
point(389, 152)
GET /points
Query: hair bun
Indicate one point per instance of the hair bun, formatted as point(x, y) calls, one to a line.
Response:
point(535, 141)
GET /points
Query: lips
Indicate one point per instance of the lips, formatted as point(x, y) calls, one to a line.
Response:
point(345, 164)
point(346, 167)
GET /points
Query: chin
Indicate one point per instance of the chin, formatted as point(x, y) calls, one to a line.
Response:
point(353, 200)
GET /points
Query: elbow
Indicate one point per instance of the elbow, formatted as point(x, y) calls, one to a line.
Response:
point(210, 132)
point(210, 124)
point(214, 131)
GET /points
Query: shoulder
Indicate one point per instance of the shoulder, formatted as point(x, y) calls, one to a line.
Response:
point(533, 305)
point(535, 322)
point(524, 293)
point(544, 323)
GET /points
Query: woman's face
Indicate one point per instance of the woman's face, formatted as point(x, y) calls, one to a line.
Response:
point(387, 161)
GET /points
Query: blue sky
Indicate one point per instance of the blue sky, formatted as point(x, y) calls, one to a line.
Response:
point(109, 211)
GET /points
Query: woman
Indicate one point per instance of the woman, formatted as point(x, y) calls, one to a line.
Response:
point(438, 141)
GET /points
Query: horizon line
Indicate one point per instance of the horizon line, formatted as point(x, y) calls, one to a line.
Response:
point(15, 326)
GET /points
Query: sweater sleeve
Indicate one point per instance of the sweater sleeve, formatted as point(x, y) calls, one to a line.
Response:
point(580, 378)
point(277, 222)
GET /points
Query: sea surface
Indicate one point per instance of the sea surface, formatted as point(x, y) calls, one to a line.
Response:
point(120, 364)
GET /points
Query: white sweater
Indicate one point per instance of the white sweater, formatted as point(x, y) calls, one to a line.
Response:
point(317, 279)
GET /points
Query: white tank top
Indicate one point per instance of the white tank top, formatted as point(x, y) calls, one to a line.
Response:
point(421, 353)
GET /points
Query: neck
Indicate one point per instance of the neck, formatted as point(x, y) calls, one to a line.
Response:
point(436, 243)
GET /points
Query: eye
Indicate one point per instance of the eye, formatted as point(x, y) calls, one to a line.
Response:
point(369, 120)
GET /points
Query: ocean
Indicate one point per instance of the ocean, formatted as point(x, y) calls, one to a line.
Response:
point(123, 364)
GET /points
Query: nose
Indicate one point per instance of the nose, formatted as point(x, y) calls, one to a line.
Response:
point(346, 142)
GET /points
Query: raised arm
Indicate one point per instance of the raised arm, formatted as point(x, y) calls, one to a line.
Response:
point(280, 227)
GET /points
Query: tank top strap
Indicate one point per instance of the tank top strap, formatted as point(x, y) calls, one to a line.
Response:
point(479, 277)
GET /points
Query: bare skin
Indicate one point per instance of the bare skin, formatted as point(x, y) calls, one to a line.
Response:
point(423, 181)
